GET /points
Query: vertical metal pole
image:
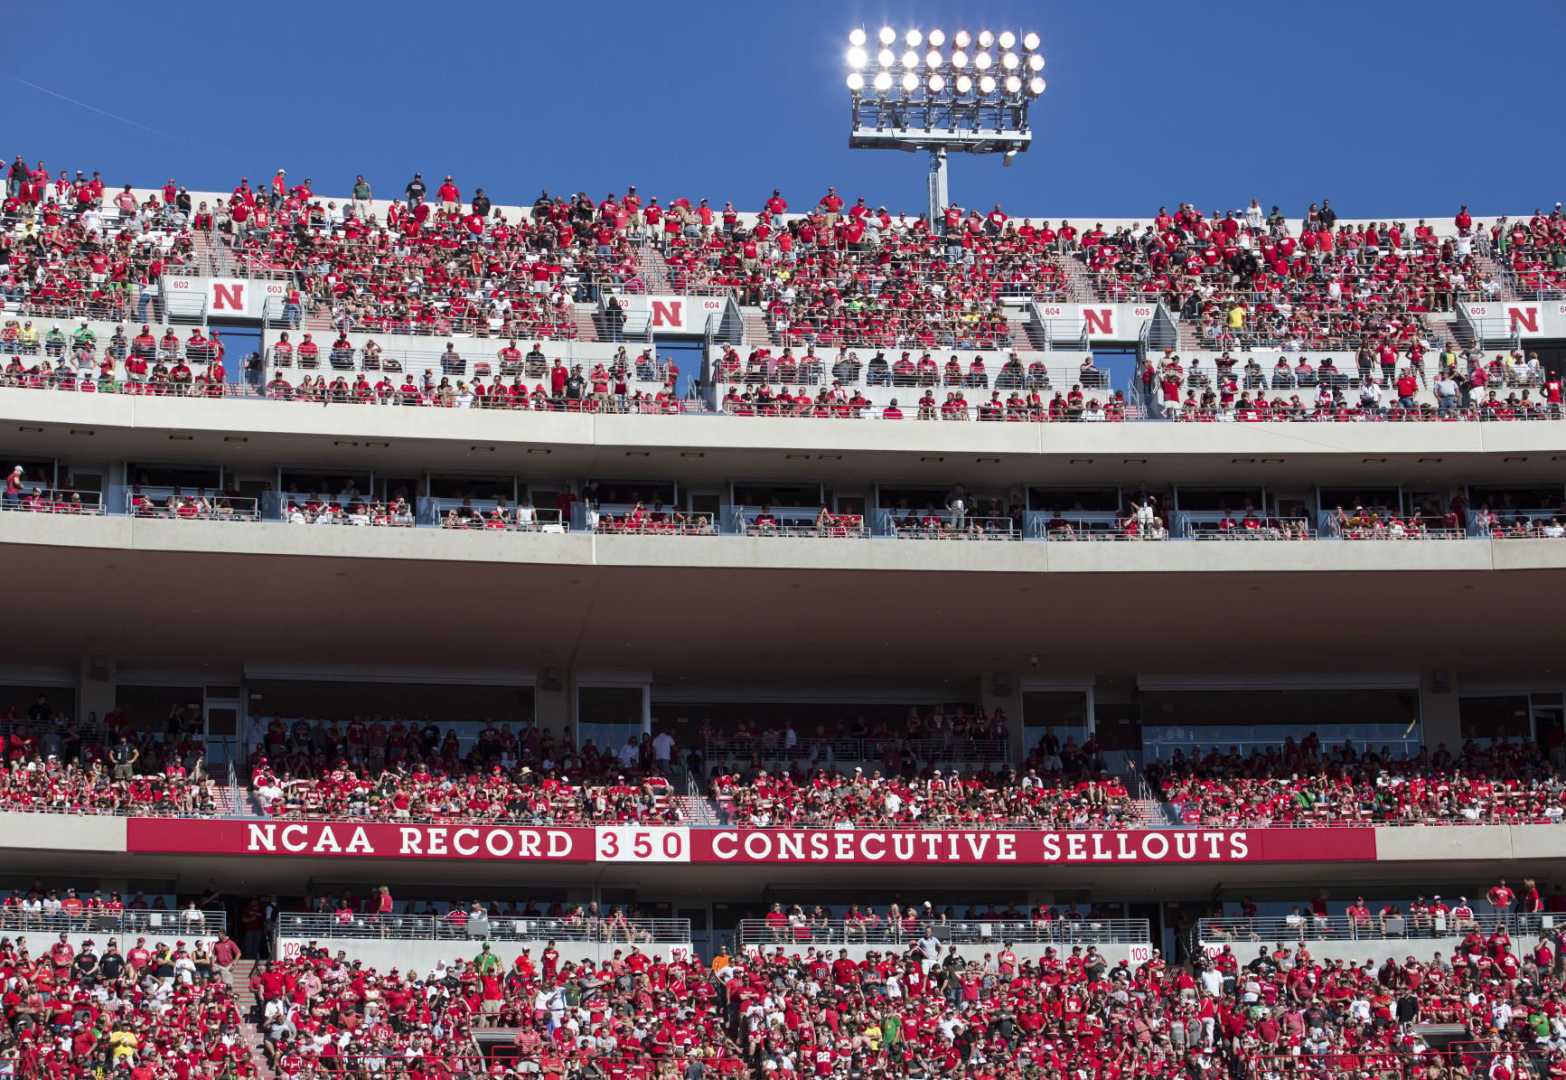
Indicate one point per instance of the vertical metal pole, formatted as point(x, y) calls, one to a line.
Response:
point(938, 188)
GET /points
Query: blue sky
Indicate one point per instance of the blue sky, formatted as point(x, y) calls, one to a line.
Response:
point(1388, 108)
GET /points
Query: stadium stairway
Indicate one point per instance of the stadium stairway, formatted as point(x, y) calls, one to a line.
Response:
point(587, 328)
point(1023, 331)
point(757, 332)
point(1154, 814)
point(1079, 281)
point(697, 810)
point(654, 269)
point(245, 1001)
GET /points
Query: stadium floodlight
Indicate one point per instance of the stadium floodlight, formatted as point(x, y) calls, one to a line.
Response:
point(940, 101)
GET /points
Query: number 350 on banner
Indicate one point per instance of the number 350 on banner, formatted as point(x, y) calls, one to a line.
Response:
point(638, 843)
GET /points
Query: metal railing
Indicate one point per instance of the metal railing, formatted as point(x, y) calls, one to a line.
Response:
point(1194, 525)
point(55, 501)
point(797, 522)
point(462, 514)
point(200, 923)
point(1373, 927)
point(148, 503)
point(605, 928)
point(945, 525)
point(826, 752)
point(1088, 930)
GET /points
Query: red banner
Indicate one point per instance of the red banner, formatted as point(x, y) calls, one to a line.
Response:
point(374, 841)
point(663, 844)
point(999, 847)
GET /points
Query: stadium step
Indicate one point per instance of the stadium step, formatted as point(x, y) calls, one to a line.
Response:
point(587, 323)
point(1024, 330)
point(757, 332)
point(1445, 327)
point(245, 1002)
point(1153, 814)
point(654, 269)
point(1079, 282)
point(697, 810)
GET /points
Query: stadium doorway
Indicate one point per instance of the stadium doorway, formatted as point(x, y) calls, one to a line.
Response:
point(688, 354)
point(240, 340)
point(1119, 368)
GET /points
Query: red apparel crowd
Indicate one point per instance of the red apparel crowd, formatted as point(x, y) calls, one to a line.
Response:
point(1303, 783)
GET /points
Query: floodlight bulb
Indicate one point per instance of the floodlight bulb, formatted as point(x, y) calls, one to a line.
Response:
point(856, 81)
point(963, 39)
point(913, 38)
point(883, 81)
point(936, 84)
point(1007, 39)
point(964, 84)
point(856, 36)
point(1010, 61)
point(937, 38)
point(857, 58)
point(982, 61)
point(888, 35)
point(885, 58)
point(910, 59)
point(932, 58)
point(1030, 41)
point(986, 39)
point(1013, 84)
point(987, 85)
point(1036, 62)
point(910, 82)
point(1036, 86)
point(959, 59)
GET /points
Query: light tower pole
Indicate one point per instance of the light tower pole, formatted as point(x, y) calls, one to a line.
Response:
point(968, 94)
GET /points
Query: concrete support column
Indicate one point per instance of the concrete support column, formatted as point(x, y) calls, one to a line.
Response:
point(1003, 690)
point(1438, 710)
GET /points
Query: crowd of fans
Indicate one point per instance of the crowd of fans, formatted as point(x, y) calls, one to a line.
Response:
point(800, 1010)
point(403, 772)
point(1390, 383)
point(146, 1011)
point(1304, 783)
point(55, 765)
point(946, 798)
point(1247, 280)
point(71, 247)
point(1534, 252)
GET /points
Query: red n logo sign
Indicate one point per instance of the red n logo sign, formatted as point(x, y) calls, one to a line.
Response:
point(1524, 319)
point(1098, 321)
point(667, 313)
point(228, 297)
